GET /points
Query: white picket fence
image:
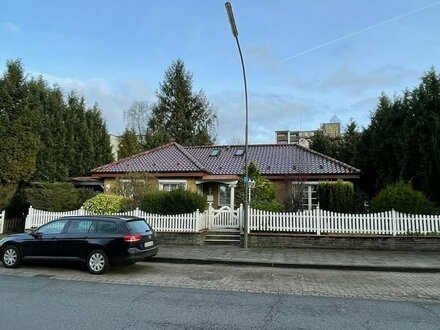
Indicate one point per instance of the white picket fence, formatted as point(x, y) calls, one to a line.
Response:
point(190, 222)
point(325, 222)
point(313, 222)
point(2, 221)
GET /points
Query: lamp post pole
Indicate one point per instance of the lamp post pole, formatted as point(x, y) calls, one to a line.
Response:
point(234, 30)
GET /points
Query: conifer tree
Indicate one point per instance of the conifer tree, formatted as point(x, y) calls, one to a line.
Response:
point(129, 144)
point(100, 138)
point(402, 141)
point(19, 118)
point(180, 115)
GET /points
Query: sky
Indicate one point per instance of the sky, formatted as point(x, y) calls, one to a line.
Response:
point(307, 62)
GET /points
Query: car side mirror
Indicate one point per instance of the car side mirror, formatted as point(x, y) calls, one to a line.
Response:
point(35, 233)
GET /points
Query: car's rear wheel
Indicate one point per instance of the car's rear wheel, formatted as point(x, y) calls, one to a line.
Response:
point(11, 256)
point(97, 262)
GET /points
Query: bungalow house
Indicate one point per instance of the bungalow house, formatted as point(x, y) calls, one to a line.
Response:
point(214, 171)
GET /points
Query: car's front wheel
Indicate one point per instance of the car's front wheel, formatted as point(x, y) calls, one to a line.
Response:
point(11, 256)
point(97, 262)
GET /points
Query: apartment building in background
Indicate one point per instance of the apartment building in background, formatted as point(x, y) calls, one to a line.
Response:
point(332, 130)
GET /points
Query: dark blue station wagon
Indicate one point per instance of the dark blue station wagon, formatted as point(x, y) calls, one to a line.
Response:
point(97, 241)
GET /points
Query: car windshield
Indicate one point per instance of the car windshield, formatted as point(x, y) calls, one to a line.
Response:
point(137, 226)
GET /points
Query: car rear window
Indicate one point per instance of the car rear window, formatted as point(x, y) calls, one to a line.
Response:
point(137, 226)
point(106, 227)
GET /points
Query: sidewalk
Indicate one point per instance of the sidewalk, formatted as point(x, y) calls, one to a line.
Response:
point(395, 261)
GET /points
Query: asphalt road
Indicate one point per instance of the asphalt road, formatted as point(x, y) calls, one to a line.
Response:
point(35, 297)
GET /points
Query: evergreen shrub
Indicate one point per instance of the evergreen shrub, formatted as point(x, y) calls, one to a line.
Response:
point(262, 193)
point(173, 202)
point(273, 206)
point(106, 204)
point(402, 197)
point(336, 196)
point(55, 197)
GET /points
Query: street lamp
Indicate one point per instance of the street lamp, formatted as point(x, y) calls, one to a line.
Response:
point(251, 186)
point(234, 30)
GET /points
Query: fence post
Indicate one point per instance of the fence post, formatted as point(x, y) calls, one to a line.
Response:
point(197, 225)
point(210, 215)
point(394, 221)
point(249, 215)
point(2, 222)
point(202, 219)
point(195, 221)
point(249, 222)
point(81, 211)
point(240, 216)
point(318, 220)
point(29, 218)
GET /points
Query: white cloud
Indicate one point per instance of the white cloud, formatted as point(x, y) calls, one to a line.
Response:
point(10, 27)
point(264, 57)
point(268, 112)
point(350, 82)
point(112, 98)
point(354, 83)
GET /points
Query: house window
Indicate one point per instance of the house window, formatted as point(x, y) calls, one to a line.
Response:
point(170, 185)
point(310, 197)
point(305, 195)
point(214, 153)
point(224, 195)
point(239, 152)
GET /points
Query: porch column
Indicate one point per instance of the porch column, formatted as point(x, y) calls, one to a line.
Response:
point(232, 186)
point(309, 197)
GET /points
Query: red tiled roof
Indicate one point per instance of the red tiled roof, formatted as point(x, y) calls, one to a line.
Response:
point(167, 158)
point(272, 159)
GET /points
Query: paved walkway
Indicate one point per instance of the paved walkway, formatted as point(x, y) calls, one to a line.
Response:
point(302, 258)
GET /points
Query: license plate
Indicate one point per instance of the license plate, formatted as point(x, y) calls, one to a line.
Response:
point(147, 244)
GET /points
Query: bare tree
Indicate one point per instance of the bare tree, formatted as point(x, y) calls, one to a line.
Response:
point(134, 186)
point(136, 119)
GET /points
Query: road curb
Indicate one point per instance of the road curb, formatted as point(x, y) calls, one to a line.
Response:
point(398, 269)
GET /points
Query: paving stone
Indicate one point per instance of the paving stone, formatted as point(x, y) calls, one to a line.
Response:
point(328, 283)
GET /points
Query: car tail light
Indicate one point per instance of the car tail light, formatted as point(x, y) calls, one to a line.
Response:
point(132, 238)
